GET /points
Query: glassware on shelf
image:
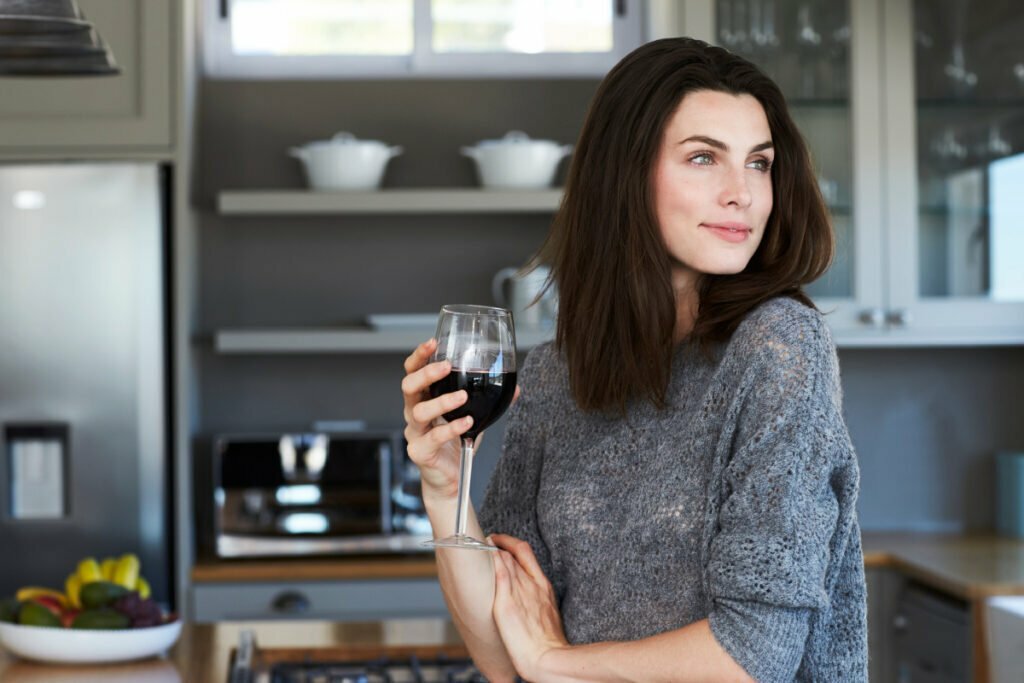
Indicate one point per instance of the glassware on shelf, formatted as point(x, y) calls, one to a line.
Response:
point(969, 91)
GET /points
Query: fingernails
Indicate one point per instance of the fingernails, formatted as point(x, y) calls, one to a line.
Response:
point(467, 421)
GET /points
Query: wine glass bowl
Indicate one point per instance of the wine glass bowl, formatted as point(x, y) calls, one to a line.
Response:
point(479, 343)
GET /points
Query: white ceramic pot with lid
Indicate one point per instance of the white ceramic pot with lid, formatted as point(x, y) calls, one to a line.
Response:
point(344, 162)
point(516, 161)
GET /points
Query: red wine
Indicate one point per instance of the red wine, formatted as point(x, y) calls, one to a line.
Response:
point(490, 394)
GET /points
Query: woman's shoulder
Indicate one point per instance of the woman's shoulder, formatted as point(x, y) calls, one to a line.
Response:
point(544, 368)
point(784, 323)
point(784, 337)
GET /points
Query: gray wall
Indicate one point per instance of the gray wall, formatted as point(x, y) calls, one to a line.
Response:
point(925, 421)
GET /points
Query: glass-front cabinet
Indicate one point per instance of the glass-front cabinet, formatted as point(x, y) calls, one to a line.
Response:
point(914, 112)
point(954, 108)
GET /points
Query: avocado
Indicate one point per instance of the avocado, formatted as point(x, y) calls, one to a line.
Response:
point(34, 614)
point(100, 594)
point(101, 618)
point(9, 610)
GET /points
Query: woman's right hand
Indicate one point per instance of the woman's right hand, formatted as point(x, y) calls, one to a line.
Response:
point(434, 448)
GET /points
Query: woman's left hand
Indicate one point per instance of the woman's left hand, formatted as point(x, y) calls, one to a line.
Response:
point(525, 610)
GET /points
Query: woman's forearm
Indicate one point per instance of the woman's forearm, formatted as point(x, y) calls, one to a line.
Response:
point(467, 581)
point(687, 654)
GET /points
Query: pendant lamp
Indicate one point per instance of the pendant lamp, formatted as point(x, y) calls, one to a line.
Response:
point(50, 38)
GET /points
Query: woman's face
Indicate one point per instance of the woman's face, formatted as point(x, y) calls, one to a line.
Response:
point(712, 184)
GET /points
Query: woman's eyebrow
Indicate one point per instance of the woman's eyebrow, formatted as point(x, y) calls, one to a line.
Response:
point(718, 144)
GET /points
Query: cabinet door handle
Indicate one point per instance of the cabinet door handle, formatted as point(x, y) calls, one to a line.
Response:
point(875, 317)
point(900, 623)
point(898, 318)
point(290, 602)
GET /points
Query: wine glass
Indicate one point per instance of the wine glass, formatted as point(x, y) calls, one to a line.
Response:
point(480, 344)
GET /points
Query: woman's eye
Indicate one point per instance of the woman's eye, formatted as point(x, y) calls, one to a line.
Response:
point(702, 159)
point(762, 165)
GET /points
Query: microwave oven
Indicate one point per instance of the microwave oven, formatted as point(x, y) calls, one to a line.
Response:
point(316, 493)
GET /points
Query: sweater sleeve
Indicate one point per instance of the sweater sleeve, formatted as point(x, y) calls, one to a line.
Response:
point(510, 502)
point(791, 464)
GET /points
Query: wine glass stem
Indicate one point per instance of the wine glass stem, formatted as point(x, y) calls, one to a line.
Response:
point(465, 474)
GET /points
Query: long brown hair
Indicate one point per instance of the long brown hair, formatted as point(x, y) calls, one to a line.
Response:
point(617, 308)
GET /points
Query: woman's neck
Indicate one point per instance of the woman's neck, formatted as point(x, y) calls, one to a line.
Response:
point(684, 284)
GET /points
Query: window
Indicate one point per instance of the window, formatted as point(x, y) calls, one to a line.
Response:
point(413, 38)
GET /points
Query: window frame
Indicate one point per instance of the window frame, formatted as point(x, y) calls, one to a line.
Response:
point(219, 62)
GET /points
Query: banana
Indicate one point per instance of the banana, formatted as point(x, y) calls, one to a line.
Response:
point(89, 571)
point(72, 587)
point(127, 572)
point(107, 568)
point(142, 586)
point(30, 592)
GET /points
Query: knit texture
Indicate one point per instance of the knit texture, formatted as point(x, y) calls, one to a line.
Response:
point(736, 503)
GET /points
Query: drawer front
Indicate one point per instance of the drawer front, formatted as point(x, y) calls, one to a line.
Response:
point(933, 640)
point(329, 600)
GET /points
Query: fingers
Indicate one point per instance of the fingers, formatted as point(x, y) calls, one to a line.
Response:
point(523, 554)
point(525, 585)
point(504, 581)
point(420, 355)
point(426, 412)
point(422, 446)
point(500, 573)
point(415, 383)
point(508, 580)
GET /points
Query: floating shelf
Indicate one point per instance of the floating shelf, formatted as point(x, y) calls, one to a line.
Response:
point(361, 340)
point(340, 340)
point(438, 200)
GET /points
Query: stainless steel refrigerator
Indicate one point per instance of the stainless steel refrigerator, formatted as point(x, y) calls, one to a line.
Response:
point(84, 371)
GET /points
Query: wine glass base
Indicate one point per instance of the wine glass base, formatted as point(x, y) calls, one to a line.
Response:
point(458, 541)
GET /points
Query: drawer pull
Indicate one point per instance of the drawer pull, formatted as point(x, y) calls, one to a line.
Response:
point(290, 602)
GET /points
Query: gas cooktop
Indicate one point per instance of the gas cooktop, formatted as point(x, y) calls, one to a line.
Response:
point(362, 664)
point(411, 669)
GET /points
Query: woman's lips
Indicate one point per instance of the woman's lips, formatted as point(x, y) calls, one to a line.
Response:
point(730, 232)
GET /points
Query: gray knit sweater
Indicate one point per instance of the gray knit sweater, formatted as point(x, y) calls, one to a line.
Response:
point(736, 503)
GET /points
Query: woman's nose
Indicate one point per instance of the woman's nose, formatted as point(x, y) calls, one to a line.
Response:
point(735, 189)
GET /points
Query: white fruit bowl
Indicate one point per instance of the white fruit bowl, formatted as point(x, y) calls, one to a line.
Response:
point(73, 646)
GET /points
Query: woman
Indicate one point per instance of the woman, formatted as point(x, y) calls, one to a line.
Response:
point(676, 496)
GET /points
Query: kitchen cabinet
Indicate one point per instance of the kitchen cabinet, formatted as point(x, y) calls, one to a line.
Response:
point(932, 637)
point(916, 633)
point(914, 112)
point(86, 116)
point(884, 587)
point(351, 600)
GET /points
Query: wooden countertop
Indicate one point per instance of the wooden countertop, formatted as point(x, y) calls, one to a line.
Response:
point(971, 567)
point(202, 653)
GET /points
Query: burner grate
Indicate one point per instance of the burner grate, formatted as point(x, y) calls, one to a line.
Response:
point(382, 670)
